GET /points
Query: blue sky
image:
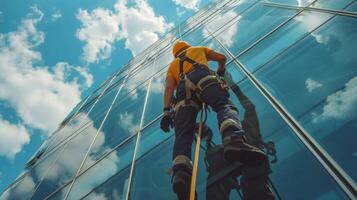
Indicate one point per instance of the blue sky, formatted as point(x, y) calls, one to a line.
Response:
point(53, 54)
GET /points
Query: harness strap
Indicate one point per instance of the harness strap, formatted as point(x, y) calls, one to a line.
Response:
point(206, 82)
point(182, 103)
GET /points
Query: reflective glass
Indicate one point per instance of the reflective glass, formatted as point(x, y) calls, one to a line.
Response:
point(332, 4)
point(251, 26)
point(114, 188)
point(115, 162)
point(25, 187)
point(122, 122)
point(352, 7)
point(65, 167)
point(296, 29)
point(60, 195)
point(155, 100)
point(231, 13)
point(293, 161)
point(322, 67)
point(105, 101)
point(151, 177)
point(71, 129)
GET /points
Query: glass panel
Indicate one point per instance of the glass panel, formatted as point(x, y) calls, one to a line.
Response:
point(67, 164)
point(251, 26)
point(293, 162)
point(332, 4)
point(151, 179)
point(293, 2)
point(352, 7)
point(25, 188)
point(323, 66)
point(105, 101)
point(103, 170)
point(59, 195)
point(74, 127)
point(299, 27)
point(230, 15)
point(155, 99)
point(22, 190)
point(122, 122)
point(114, 188)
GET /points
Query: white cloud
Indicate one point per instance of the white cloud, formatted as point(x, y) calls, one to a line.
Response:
point(42, 96)
point(12, 138)
point(341, 104)
point(228, 37)
point(25, 187)
point(56, 15)
point(312, 20)
point(179, 12)
point(312, 84)
point(126, 121)
point(101, 28)
point(188, 4)
point(140, 26)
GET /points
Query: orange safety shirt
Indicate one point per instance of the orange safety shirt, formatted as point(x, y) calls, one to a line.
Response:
point(197, 53)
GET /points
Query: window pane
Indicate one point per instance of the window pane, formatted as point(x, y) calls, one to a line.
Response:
point(323, 67)
point(151, 179)
point(103, 170)
point(122, 122)
point(251, 26)
point(299, 27)
point(294, 162)
point(114, 188)
point(25, 187)
point(332, 4)
point(68, 161)
point(352, 7)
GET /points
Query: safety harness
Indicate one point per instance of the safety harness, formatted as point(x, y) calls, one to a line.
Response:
point(201, 85)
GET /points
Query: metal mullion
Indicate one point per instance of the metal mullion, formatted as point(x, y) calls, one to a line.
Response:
point(97, 99)
point(289, 47)
point(207, 19)
point(96, 135)
point(73, 116)
point(132, 168)
point(342, 179)
point(316, 9)
point(234, 20)
point(105, 155)
point(166, 139)
point(275, 29)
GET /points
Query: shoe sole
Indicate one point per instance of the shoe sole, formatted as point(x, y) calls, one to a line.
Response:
point(180, 188)
point(246, 157)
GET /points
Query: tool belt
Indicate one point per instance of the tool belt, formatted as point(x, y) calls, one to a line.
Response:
point(192, 96)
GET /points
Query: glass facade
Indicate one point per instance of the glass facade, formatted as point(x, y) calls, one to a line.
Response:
point(294, 61)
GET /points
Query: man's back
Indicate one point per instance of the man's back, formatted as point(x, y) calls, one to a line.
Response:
point(198, 54)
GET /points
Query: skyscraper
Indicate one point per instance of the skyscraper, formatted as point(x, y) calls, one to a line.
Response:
point(294, 60)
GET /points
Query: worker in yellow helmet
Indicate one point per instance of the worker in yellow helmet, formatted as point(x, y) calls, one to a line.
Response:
point(195, 83)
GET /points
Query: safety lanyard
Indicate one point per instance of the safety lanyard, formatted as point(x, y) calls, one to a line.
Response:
point(197, 155)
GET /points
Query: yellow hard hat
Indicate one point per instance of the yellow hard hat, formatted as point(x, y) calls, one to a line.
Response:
point(178, 46)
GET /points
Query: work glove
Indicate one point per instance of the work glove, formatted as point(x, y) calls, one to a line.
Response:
point(166, 122)
point(220, 73)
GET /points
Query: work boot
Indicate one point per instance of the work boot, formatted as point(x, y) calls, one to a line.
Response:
point(237, 150)
point(181, 179)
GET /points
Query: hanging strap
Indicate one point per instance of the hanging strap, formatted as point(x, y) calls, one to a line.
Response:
point(197, 154)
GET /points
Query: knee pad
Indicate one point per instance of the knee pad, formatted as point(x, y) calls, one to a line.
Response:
point(182, 163)
point(229, 125)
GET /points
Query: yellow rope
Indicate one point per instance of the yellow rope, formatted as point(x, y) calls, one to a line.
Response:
point(197, 154)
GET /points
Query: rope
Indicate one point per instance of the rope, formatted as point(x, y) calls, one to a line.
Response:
point(197, 154)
